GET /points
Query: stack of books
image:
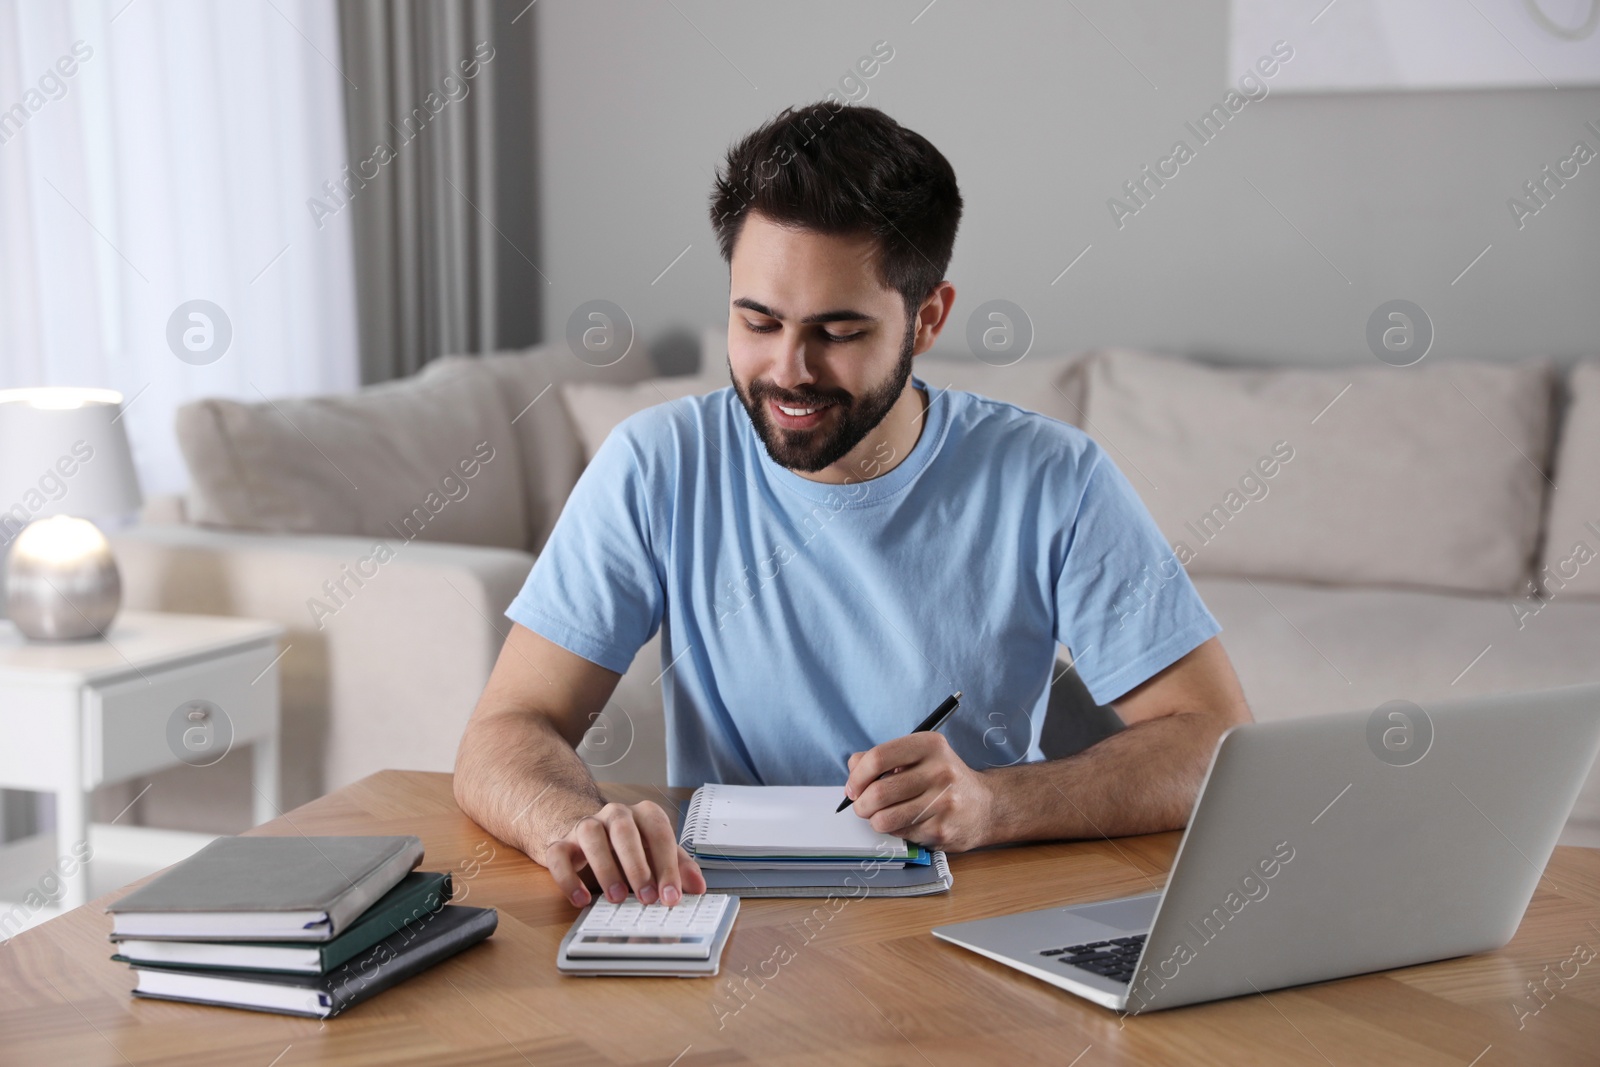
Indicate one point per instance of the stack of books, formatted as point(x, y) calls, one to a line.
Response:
point(297, 925)
point(789, 841)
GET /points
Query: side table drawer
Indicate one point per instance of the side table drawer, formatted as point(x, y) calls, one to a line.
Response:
point(129, 726)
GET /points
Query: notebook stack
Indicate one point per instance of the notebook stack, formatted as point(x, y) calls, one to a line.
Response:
point(788, 841)
point(296, 925)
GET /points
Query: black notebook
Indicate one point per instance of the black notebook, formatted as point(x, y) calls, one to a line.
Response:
point(413, 950)
point(267, 889)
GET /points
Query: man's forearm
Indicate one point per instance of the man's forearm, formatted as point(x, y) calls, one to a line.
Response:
point(1141, 780)
point(520, 780)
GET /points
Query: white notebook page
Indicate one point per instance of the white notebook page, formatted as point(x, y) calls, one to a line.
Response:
point(790, 820)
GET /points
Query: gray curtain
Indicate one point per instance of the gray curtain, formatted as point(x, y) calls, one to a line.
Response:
point(440, 120)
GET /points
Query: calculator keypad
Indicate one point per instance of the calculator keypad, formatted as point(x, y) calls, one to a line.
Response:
point(633, 930)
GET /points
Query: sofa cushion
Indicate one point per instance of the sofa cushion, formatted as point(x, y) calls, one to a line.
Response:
point(1427, 476)
point(429, 457)
point(1051, 384)
point(596, 409)
point(1304, 650)
point(1048, 384)
point(1571, 557)
point(546, 436)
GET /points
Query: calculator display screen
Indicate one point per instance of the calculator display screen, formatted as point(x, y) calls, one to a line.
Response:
point(642, 939)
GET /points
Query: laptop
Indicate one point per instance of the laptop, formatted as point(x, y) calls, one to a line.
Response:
point(1330, 846)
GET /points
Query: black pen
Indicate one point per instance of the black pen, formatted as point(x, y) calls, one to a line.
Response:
point(932, 722)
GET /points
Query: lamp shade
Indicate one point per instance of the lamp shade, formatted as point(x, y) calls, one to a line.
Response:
point(63, 452)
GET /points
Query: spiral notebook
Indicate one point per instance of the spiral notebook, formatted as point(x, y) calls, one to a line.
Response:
point(789, 841)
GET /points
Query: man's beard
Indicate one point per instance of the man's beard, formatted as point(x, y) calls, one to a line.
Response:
point(812, 450)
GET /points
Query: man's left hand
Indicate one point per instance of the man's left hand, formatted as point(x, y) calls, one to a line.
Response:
point(927, 795)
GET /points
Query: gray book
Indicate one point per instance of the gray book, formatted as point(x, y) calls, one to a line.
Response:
point(267, 889)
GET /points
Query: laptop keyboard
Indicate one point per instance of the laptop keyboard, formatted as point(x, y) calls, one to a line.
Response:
point(1114, 959)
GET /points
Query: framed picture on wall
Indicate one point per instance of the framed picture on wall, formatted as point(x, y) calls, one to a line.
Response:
point(1383, 45)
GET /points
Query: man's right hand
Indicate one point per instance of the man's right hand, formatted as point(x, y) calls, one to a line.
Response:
point(622, 846)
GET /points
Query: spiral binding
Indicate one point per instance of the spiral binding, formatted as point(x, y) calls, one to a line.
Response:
point(698, 821)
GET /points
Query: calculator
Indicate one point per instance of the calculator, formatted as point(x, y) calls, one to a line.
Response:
point(637, 938)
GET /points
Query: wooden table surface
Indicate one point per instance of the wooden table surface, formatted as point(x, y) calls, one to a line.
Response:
point(806, 982)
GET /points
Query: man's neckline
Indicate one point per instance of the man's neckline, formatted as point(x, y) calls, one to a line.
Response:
point(868, 491)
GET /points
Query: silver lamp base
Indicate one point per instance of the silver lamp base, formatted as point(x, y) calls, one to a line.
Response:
point(62, 582)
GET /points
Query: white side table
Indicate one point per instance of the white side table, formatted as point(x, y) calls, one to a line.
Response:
point(159, 691)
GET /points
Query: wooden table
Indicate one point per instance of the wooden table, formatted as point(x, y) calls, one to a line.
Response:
point(803, 982)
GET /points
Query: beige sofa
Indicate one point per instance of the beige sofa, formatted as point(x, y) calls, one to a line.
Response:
point(1396, 550)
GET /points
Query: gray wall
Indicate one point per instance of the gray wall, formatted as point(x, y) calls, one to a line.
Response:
point(1044, 120)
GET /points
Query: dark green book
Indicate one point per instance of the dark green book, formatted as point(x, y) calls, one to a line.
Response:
point(418, 895)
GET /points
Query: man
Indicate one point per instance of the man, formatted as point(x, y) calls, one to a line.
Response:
point(829, 549)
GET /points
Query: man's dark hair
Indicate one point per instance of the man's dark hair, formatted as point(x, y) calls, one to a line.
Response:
point(841, 169)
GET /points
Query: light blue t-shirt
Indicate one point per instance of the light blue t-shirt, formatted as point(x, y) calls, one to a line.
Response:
point(803, 621)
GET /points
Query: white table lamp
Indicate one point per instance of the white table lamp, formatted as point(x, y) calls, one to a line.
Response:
point(64, 458)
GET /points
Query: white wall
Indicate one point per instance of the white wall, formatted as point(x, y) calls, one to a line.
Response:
point(1043, 119)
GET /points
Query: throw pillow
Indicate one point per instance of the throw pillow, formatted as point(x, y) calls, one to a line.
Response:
point(426, 458)
point(1428, 476)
